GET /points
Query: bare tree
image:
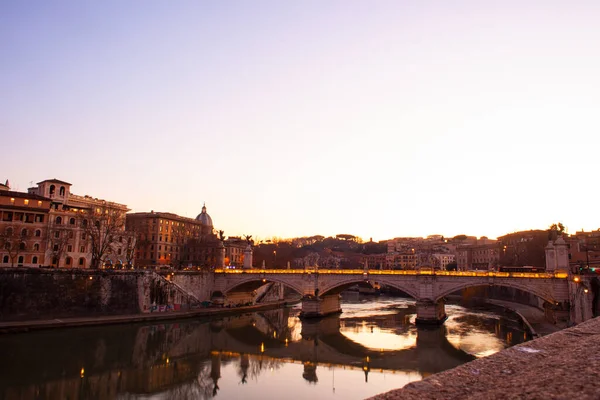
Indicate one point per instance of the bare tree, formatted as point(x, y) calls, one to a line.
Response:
point(104, 226)
point(14, 241)
point(58, 239)
point(130, 247)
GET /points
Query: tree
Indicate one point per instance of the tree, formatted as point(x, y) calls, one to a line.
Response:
point(104, 226)
point(58, 238)
point(14, 241)
point(556, 230)
point(130, 247)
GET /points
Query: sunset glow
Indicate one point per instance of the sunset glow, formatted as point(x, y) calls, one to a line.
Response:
point(375, 118)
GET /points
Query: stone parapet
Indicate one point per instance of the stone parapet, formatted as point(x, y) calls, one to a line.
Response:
point(563, 365)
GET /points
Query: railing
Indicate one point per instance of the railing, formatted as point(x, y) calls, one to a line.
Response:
point(497, 274)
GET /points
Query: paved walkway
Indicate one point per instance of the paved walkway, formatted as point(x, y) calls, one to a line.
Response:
point(25, 326)
point(562, 365)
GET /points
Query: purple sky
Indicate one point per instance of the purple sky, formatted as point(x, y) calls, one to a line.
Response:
point(376, 118)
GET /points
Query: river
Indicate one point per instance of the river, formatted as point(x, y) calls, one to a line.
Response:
point(372, 347)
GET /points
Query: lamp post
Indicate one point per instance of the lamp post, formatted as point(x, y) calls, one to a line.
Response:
point(274, 259)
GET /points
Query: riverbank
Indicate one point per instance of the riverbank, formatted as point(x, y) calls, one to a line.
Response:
point(562, 365)
point(34, 325)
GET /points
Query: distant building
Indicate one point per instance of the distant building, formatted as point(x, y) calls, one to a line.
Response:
point(584, 249)
point(484, 255)
point(234, 251)
point(168, 239)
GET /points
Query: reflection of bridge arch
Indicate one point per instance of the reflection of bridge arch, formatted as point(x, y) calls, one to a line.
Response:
point(538, 291)
point(431, 353)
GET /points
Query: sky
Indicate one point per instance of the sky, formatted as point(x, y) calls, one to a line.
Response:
point(294, 118)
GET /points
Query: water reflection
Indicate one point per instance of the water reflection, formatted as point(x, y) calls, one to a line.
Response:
point(259, 355)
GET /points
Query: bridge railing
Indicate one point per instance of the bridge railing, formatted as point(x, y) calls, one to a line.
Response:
point(387, 272)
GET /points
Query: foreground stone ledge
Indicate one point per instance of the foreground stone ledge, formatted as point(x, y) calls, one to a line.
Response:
point(563, 365)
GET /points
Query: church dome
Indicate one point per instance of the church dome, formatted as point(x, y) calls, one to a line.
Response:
point(204, 218)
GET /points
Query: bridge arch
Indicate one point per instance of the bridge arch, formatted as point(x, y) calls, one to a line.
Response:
point(339, 286)
point(254, 282)
point(537, 290)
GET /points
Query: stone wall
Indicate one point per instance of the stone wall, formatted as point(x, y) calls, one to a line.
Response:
point(32, 293)
point(198, 284)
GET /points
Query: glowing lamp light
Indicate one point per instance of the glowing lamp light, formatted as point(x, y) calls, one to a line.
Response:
point(82, 372)
point(576, 279)
point(262, 347)
point(585, 290)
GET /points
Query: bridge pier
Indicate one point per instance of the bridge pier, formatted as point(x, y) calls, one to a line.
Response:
point(430, 312)
point(317, 307)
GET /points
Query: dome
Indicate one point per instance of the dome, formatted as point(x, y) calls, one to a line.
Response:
point(204, 218)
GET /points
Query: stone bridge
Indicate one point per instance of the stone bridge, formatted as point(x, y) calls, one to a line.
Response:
point(321, 288)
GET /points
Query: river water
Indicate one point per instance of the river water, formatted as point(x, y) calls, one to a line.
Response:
point(372, 347)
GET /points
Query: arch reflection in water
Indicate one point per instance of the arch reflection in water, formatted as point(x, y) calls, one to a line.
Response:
point(256, 355)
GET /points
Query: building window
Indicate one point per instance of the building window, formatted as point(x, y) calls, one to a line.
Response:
point(58, 220)
point(24, 233)
point(20, 260)
point(81, 262)
point(69, 248)
point(12, 200)
point(72, 221)
point(83, 236)
point(52, 189)
point(38, 233)
point(36, 247)
point(84, 223)
point(26, 201)
point(62, 191)
point(57, 234)
point(82, 249)
point(55, 248)
point(70, 234)
point(68, 261)
point(22, 246)
point(39, 203)
point(34, 260)
point(5, 259)
point(39, 218)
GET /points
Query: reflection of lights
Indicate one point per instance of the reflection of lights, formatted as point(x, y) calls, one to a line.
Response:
point(262, 347)
point(286, 342)
point(167, 360)
point(274, 334)
point(81, 373)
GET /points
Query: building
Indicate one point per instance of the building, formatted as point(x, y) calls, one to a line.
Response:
point(584, 250)
point(484, 255)
point(23, 228)
point(441, 260)
point(67, 230)
point(171, 240)
point(234, 251)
